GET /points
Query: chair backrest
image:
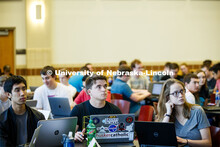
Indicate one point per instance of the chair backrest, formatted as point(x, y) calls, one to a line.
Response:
point(215, 133)
point(116, 96)
point(146, 113)
point(123, 105)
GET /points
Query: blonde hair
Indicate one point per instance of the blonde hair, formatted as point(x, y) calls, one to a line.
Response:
point(164, 97)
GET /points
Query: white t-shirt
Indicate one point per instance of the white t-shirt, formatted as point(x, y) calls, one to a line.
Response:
point(72, 91)
point(190, 98)
point(42, 93)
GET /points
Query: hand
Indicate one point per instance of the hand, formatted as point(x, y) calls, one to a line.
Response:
point(79, 136)
point(169, 106)
point(181, 140)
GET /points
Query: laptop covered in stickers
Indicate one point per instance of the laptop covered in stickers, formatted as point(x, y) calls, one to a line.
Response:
point(114, 128)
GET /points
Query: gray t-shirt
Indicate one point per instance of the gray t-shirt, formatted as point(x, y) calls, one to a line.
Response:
point(198, 120)
point(21, 122)
point(4, 105)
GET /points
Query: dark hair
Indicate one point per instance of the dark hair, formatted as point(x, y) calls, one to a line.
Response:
point(184, 64)
point(123, 69)
point(135, 61)
point(188, 77)
point(204, 65)
point(208, 63)
point(6, 68)
point(168, 64)
point(92, 80)
point(122, 62)
point(215, 68)
point(84, 68)
point(85, 77)
point(174, 66)
point(48, 70)
point(66, 73)
point(88, 64)
point(13, 80)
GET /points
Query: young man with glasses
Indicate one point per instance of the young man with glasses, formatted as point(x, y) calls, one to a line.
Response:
point(191, 82)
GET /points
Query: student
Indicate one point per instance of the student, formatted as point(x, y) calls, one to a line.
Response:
point(121, 63)
point(76, 80)
point(191, 123)
point(138, 81)
point(50, 89)
point(96, 87)
point(209, 76)
point(120, 86)
point(5, 103)
point(157, 78)
point(64, 80)
point(18, 122)
point(185, 69)
point(174, 69)
point(216, 73)
point(83, 96)
point(191, 82)
point(89, 66)
point(203, 89)
point(7, 70)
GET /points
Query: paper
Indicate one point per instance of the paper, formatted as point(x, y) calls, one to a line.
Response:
point(93, 142)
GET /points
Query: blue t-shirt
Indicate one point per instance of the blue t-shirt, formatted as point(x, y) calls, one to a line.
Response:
point(122, 88)
point(197, 121)
point(76, 81)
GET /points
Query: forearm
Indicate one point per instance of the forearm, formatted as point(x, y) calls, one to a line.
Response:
point(166, 119)
point(200, 143)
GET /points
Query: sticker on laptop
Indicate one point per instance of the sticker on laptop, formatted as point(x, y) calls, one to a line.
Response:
point(121, 127)
point(130, 127)
point(112, 128)
point(96, 120)
point(112, 135)
point(102, 129)
point(110, 121)
point(129, 119)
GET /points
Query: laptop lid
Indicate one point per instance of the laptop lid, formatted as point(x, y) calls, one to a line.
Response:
point(59, 106)
point(52, 130)
point(31, 103)
point(155, 133)
point(33, 88)
point(35, 136)
point(112, 128)
point(155, 88)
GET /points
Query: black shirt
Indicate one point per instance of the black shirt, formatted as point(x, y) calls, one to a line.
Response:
point(211, 83)
point(85, 109)
point(204, 92)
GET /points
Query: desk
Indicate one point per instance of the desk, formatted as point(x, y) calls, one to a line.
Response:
point(214, 113)
point(134, 144)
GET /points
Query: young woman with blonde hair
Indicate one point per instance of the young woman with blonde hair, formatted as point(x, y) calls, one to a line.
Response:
point(191, 123)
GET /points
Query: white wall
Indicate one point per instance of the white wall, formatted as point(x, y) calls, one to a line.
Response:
point(12, 14)
point(100, 31)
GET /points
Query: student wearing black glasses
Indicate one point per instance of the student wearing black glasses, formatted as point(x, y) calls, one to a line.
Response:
point(191, 123)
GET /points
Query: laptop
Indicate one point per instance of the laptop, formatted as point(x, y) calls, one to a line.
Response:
point(155, 89)
point(52, 130)
point(156, 134)
point(114, 128)
point(60, 107)
point(211, 108)
point(31, 103)
point(33, 88)
point(34, 137)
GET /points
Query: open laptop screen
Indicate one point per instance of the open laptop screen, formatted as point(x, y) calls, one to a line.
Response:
point(157, 87)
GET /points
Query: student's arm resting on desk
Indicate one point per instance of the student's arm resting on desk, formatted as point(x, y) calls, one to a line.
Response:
point(205, 142)
point(137, 97)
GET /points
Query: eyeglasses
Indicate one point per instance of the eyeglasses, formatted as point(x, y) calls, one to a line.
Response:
point(177, 93)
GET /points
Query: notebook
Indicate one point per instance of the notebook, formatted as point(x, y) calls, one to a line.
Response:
point(114, 128)
point(211, 108)
point(156, 134)
point(52, 130)
point(60, 107)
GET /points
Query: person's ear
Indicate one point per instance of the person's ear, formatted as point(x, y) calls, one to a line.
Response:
point(88, 91)
point(9, 95)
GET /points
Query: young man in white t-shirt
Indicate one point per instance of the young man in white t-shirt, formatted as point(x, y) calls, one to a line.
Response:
point(50, 89)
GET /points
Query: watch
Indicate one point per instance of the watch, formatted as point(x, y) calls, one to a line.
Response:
point(167, 115)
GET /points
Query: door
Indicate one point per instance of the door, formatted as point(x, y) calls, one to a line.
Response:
point(7, 49)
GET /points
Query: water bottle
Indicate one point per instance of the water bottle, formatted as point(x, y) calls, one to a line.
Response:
point(68, 141)
point(90, 131)
point(110, 81)
point(217, 98)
